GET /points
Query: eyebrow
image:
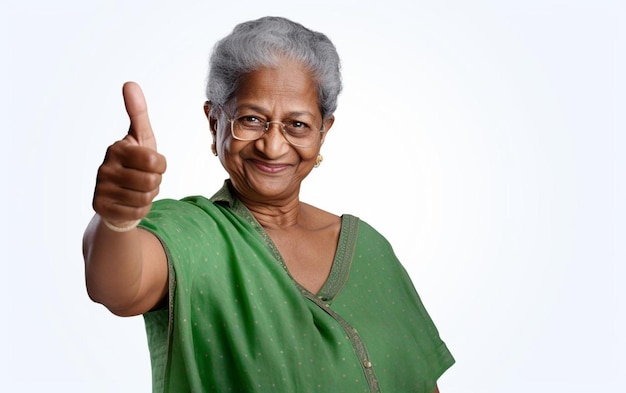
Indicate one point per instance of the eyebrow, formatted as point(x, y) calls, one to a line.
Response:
point(260, 109)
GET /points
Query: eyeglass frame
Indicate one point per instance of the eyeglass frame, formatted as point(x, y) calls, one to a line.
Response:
point(267, 128)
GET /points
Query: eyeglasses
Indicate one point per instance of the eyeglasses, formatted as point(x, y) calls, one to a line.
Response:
point(297, 133)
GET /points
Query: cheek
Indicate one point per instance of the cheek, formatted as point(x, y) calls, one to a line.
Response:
point(310, 155)
point(229, 151)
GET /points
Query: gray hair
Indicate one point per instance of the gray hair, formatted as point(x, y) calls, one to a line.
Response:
point(263, 43)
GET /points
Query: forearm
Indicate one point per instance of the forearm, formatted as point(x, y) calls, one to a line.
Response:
point(114, 266)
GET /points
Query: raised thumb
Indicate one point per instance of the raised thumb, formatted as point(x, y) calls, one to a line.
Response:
point(140, 127)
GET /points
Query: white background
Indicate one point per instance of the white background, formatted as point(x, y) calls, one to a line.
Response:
point(484, 139)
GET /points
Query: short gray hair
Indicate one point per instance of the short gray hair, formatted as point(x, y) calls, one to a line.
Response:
point(263, 43)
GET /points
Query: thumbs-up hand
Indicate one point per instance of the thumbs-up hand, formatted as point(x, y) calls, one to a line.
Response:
point(129, 178)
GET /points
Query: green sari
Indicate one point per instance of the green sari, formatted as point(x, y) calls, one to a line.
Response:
point(238, 322)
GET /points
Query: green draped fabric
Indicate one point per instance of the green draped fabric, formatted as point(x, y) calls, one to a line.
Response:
point(238, 322)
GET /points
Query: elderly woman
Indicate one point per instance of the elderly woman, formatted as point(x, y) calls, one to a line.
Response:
point(253, 290)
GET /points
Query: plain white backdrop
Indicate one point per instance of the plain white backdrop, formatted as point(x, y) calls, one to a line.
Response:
point(484, 139)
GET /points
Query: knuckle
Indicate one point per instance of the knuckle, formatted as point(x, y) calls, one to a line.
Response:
point(104, 172)
point(153, 181)
point(115, 155)
point(97, 204)
point(114, 149)
point(138, 213)
point(153, 160)
point(145, 199)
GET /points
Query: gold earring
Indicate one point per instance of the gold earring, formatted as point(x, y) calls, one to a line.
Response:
point(213, 149)
point(318, 160)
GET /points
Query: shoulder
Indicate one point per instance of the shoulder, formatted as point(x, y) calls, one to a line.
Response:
point(169, 203)
point(187, 205)
point(170, 217)
point(372, 245)
point(368, 232)
point(316, 219)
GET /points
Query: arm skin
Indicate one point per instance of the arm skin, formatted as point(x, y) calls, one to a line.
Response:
point(127, 271)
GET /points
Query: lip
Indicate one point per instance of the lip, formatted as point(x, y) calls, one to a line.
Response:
point(268, 167)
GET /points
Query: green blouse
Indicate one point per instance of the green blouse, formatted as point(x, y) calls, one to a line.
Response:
point(238, 322)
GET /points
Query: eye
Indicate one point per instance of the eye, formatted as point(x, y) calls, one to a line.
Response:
point(251, 122)
point(249, 119)
point(295, 126)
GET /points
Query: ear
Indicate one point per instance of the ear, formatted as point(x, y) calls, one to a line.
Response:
point(212, 120)
point(328, 123)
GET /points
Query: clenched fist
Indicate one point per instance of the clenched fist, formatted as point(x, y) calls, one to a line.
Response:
point(129, 178)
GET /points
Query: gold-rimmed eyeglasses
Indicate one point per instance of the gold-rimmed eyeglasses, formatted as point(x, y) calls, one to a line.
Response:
point(297, 133)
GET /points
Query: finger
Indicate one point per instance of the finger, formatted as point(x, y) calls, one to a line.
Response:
point(117, 212)
point(142, 158)
point(114, 198)
point(137, 110)
point(118, 204)
point(130, 179)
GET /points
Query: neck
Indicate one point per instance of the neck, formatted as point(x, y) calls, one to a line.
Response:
point(275, 216)
point(272, 213)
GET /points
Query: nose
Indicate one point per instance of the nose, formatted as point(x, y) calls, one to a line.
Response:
point(273, 144)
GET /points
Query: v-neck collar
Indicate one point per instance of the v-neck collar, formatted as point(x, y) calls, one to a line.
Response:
point(342, 262)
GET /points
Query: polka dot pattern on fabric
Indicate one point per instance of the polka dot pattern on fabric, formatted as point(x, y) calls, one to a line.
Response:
point(238, 322)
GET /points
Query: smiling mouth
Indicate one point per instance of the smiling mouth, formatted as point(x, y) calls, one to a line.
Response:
point(268, 167)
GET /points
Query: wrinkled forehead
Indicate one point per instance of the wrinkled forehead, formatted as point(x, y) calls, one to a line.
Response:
point(288, 86)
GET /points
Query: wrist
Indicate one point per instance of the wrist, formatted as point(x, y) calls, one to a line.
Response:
point(129, 226)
